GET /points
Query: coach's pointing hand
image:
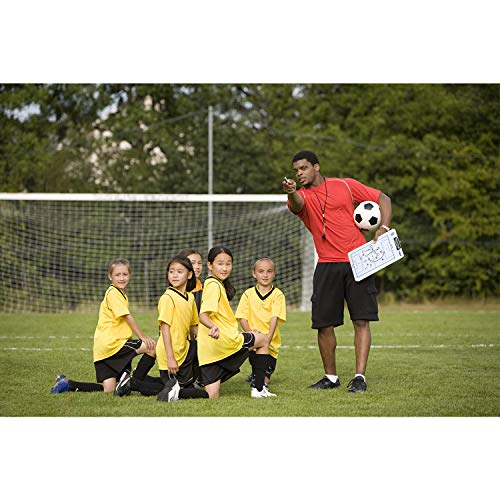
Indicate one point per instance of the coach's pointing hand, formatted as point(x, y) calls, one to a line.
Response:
point(289, 186)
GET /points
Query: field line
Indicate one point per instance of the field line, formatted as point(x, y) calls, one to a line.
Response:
point(415, 346)
point(407, 346)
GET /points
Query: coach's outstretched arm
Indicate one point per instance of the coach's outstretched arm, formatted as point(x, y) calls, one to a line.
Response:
point(296, 201)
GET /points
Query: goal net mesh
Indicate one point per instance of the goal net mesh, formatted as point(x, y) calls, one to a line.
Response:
point(55, 252)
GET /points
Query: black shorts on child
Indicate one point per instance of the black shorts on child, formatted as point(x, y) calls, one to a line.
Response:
point(120, 362)
point(185, 375)
point(226, 368)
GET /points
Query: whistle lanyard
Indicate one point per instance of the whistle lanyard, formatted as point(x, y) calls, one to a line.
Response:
point(323, 209)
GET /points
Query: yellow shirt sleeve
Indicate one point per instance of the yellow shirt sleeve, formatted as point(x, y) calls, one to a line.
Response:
point(117, 303)
point(194, 317)
point(242, 311)
point(279, 307)
point(166, 309)
point(210, 298)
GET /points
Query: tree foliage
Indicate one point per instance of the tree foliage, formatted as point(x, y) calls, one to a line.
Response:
point(432, 148)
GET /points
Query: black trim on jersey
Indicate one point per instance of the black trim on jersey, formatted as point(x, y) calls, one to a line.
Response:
point(263, 297)
point(185, 297)
point(173, 305)
point(123, 293)
point(116, 288)
point(216, 279)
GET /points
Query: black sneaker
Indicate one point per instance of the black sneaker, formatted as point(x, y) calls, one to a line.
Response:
point(170, 392)
point(357, 384)
point(325, 383)
point(123, 386)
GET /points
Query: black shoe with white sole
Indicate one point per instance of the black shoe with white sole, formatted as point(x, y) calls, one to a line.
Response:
point(357, 384)
point(123, 386)
point(325, 383)
point(170, 392)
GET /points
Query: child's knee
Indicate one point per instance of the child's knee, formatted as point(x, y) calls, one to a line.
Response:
point(213, 390)
point(109, 385)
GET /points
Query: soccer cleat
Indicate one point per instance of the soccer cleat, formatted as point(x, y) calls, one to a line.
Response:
point(170, 392)
point(61, 385)
point(255, 393)
point(357, 384)
point(251, 379)
point(325, 383)
point(123, 386)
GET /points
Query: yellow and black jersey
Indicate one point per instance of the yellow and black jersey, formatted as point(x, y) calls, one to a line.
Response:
point(214, 302)
point(258, 310)
point(198, 292)
point(180, 313)
point(112, 329)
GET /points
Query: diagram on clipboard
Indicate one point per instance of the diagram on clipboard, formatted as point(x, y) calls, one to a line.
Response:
point(372, 257)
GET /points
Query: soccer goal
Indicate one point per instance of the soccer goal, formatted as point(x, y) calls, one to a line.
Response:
point(55, 247)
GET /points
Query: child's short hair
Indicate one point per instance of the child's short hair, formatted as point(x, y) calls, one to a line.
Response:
point(264, 258)
point(184, 261)
point(120, 261)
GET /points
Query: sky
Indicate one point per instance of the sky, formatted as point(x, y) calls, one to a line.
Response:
point(265, 41)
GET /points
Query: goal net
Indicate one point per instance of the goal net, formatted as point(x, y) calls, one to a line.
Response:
point(56, 247)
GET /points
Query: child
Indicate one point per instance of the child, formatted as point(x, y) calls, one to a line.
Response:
point(114, 347)
point(222, 349)
point(178, 318)
point(261, 308)
point(197, 260)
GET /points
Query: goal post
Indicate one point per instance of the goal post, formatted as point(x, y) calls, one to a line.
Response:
point(56, 247)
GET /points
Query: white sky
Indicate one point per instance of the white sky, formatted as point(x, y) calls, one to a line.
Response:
point(260, 41)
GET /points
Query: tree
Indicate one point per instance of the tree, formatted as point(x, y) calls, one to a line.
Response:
point(432, 148)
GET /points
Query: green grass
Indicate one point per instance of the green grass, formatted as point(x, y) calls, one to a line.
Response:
point(424, 362)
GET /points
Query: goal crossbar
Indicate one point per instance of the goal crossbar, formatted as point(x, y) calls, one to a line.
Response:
point(234, 198)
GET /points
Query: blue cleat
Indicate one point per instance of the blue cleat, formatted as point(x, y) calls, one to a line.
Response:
point(61, 385)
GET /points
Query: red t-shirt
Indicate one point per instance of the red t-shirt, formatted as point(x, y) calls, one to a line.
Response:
point(342, 234)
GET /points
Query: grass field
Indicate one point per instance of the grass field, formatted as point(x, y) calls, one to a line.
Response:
point(424, 362)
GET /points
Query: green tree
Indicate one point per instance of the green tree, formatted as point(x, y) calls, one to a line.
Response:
point(432, 148)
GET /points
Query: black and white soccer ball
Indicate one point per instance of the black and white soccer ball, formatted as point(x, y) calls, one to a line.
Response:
point(367, 215)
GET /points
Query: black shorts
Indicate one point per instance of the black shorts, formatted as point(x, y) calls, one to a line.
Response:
point(120, 362)
point(226, 368)
point(333, 283)
point(185, 375)
point(272, 363)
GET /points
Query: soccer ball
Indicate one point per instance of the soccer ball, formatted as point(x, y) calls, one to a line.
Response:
point(367, 215)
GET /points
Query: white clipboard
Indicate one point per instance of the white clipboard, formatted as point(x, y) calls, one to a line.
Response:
point(372, 257)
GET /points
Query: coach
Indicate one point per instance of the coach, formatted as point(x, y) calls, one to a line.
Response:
point(326, 208)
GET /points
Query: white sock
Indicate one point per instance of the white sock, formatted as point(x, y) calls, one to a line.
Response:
point(332, 378)
point(360, 375)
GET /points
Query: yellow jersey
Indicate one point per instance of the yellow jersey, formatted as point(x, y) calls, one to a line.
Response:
point(259, 309)
point(214, 302)
point(180, 313)
point(112, 329)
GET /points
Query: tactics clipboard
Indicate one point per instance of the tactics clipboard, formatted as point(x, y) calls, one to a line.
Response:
point(372, 257)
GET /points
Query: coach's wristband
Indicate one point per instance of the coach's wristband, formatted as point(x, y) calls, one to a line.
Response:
point(387, 228)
